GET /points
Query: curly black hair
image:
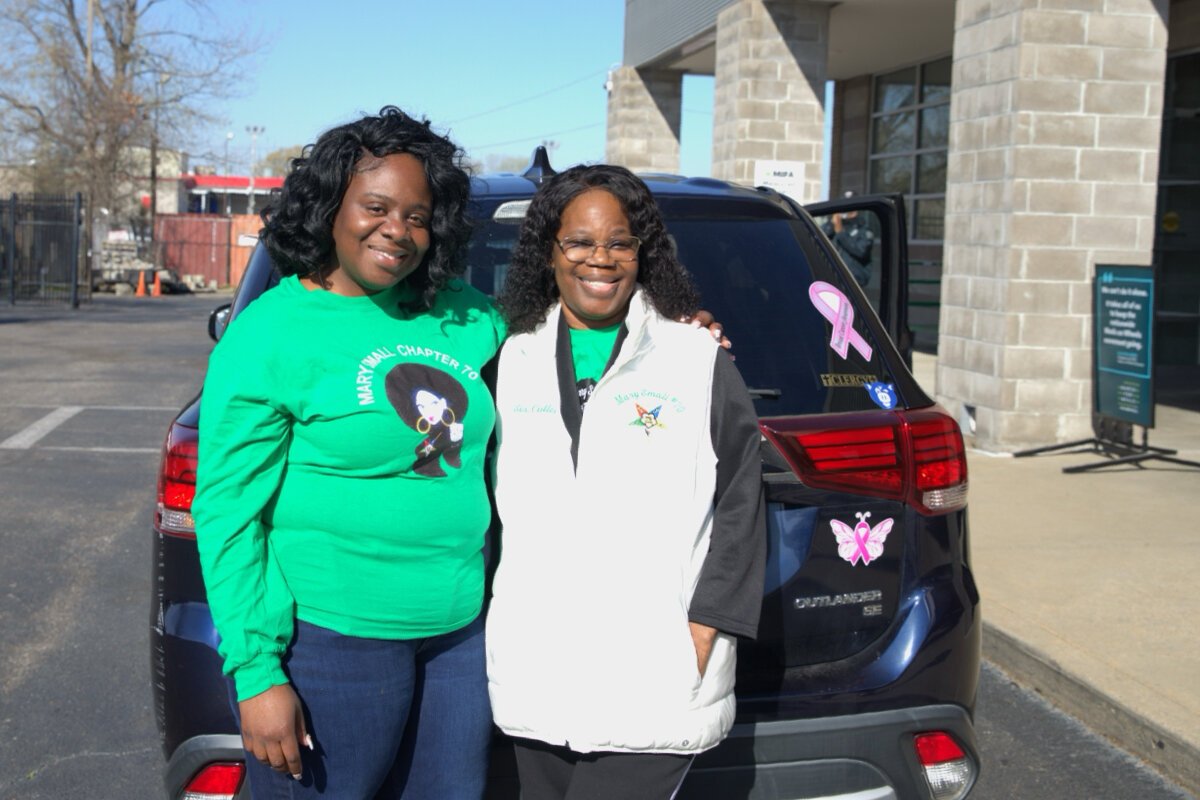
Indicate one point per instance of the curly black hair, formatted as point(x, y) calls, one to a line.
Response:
point(298, 222)
point(530, 290)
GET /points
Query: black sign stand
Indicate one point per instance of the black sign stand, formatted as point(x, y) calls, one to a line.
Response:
point(1122, 372)
point(1113, 440)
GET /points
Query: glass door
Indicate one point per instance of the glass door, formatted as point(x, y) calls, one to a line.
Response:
point(1177, 238)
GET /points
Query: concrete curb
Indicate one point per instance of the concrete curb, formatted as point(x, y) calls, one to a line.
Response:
point(1177, 760)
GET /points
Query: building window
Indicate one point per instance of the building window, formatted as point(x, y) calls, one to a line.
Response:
point(910, 132)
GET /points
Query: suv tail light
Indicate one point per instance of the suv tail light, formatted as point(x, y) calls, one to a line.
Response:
point(947, 769)
point(219, 781)
point(917, 456)
point(177, 482)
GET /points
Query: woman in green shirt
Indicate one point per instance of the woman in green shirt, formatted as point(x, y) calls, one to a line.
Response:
point(341, 509)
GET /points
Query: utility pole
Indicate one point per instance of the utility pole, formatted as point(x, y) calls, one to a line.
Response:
point(159, 80)
point(93, 262)
point(91, 16)
point(225, 170)
point(254, 131)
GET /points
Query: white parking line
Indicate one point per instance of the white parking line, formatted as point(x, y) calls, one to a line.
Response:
point(104, 449)
point(173, 409)
point(28, 437)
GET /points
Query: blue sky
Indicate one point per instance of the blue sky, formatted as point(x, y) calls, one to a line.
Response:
point(499, 77)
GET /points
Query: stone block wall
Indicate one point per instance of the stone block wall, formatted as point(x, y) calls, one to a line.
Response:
point(644, 109)
point(1055, 123)
point(768, 95)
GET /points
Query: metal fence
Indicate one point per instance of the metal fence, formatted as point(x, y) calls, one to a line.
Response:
point(41, 250)
point(206, 245)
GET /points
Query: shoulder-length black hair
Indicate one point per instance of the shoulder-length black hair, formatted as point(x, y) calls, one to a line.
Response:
point(529, 289)
point(298, 223)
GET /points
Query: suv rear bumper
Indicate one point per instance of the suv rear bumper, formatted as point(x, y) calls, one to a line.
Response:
point(194, 754)
point(854, 757)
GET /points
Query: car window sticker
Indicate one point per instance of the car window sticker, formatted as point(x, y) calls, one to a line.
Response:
point(843, 380)
point(834, 306)
point(882, 394)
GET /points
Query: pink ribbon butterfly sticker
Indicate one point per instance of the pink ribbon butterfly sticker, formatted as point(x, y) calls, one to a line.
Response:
point(862, 542)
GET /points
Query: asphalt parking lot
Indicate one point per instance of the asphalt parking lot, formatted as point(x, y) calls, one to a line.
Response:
point(85, 399)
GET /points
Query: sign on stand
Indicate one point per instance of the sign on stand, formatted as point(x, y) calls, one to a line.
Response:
point(1122, 370)
point(1123, 342)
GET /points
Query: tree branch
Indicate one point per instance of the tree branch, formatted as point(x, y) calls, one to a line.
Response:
point(89, 131)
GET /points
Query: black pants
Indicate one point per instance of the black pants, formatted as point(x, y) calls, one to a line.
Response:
point(550, 772)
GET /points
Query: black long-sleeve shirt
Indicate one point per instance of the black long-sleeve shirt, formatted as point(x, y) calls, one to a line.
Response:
point(728, 596)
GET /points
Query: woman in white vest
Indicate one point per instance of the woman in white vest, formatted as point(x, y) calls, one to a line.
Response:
point(633, 542)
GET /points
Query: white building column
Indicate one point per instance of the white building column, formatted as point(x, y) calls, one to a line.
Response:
point(644, 108)
point(769, 92)
point(1053, 165)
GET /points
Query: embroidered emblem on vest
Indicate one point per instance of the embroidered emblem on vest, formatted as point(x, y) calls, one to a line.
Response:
point(647, 419)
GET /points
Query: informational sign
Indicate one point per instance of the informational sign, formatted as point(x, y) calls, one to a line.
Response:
point(1123, 344)
point(785, 177)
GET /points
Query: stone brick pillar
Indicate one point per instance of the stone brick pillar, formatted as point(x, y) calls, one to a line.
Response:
point(1053, 168)
point(644, 108)
point(769, 89)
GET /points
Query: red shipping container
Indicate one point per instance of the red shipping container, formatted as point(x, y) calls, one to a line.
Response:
point(239, 256)
point(194, 244)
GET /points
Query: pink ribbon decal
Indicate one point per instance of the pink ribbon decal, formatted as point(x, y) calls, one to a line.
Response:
point(862, 542)
point(835, 307)
point(862, 533)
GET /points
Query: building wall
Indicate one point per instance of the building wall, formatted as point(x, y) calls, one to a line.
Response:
point(1055, 126)
point(769, 89)
point(1056, 118)
point(172, 165)
point(644, 111)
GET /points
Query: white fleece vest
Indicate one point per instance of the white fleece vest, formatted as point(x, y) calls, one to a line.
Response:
point(587, 634)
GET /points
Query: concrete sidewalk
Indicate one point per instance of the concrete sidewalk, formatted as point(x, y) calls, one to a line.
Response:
point(1090, 586)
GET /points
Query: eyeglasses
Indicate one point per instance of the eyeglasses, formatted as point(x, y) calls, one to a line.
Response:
point(578, 251)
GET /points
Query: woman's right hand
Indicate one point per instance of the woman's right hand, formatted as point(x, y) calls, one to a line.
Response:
point(273, 728)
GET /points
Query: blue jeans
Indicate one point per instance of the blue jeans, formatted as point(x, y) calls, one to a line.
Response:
point(389, 718)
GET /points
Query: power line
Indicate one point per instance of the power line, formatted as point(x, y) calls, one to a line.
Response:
point(539, 137)
point(527, 99)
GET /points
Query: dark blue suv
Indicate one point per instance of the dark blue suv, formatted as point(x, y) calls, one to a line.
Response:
point(862, 682)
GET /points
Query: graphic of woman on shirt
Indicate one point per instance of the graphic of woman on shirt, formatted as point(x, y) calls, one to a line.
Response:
point(434, 404)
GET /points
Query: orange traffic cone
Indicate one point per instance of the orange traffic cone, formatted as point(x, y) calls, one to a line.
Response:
point(141, 287)
point(156, 290)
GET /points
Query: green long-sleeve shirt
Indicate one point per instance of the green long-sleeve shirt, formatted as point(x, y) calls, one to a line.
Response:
point(340, 474)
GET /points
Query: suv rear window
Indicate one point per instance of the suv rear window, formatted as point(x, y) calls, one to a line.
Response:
point(754, 266)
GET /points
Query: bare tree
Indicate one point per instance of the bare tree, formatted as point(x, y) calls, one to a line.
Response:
point(278, 162)
point(88, 86)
